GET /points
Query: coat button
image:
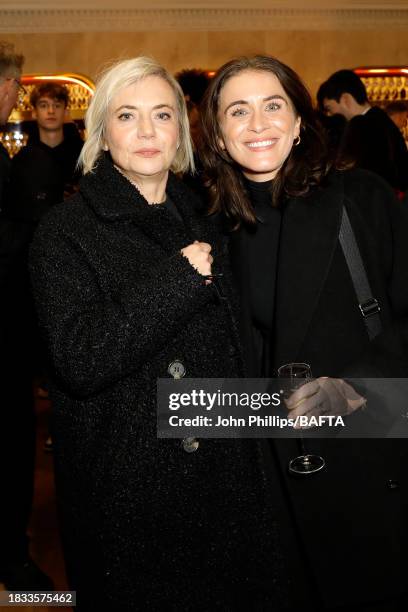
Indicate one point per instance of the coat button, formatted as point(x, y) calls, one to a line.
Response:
point(393, 484)
point(176, 369)
point(190, 445)
point(232, 351)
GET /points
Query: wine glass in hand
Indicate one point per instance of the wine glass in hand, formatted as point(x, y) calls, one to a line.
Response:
point(294, 375)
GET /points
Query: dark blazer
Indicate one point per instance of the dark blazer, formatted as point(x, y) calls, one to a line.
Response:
point(40, 175)
point(374, 142)
point(350, 519)
point(146, 525)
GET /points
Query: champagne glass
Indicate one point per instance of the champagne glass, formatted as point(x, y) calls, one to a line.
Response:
point(296, 375)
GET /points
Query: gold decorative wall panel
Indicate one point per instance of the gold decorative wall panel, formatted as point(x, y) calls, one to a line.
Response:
point(384, 85)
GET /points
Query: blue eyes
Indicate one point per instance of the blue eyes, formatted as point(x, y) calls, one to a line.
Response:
point(164, 116)
point(273, 106)
point(242, 111)
point(161, 116)
point(239, 112)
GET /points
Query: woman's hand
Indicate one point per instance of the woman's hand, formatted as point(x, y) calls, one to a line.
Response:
point(198, 254)
point(324, 396)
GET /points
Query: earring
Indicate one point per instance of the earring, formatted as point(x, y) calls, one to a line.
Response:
point(105, 147)
point(296, 141)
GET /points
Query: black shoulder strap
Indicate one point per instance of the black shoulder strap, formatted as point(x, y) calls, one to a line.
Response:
point(368, 305)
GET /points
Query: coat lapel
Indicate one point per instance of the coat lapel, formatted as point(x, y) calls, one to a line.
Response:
point(190, 208)
point(115, 199)
point(309, 235)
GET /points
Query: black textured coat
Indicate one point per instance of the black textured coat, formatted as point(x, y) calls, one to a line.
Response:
point(146, 525)
point(351, 518)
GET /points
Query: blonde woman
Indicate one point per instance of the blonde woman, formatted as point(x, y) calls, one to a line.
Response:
point(120, 275)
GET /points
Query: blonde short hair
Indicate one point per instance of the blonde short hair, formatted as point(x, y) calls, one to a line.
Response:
point(122, 74)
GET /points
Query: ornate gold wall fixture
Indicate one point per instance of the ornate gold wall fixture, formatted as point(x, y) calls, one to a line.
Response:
point(385, 85)
point(80, 89)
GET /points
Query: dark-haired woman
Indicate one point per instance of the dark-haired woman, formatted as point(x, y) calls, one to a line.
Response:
point(346, 533)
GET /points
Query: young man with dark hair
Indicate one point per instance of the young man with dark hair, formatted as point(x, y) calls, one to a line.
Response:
point(371, 140)
point(42, 174)
point(343, 94)
point(45, 169)
point(51, 90)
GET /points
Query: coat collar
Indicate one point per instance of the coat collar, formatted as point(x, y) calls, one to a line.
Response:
point(114, 199)
point(309, 236)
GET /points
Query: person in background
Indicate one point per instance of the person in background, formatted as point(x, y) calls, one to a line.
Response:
point(11, 65)
point(42, 174)
point(282, 205)
point(44, 171)
point(398, 112)
point(124, 280)
point(371, 140)
point(334, 127)
point(194, 82)
point(17, 569)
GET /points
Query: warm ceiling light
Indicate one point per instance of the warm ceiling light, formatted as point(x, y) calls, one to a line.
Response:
point(66, 78)
point(389, 71)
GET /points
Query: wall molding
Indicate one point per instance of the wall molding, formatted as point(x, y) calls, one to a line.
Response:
point(129, 20)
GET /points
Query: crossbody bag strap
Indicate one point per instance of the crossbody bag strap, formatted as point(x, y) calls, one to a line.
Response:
point(369, 306)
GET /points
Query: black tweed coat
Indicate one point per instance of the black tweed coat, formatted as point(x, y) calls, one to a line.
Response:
point(146, 526)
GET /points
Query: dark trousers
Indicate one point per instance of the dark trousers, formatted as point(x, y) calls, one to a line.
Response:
point(16, 466)
point(17, 418)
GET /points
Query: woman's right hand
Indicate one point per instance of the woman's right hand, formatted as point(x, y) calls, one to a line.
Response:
point(198, 254)
point(324, 396)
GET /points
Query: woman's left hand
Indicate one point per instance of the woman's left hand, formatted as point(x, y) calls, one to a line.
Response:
point(324, 396)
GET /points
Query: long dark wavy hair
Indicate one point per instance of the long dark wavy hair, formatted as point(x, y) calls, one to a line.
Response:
point(305, 167)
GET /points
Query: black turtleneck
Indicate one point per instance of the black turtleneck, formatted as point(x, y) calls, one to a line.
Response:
point(263, 243)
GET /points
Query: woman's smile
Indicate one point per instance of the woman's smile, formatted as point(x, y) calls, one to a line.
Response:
point(261, 145)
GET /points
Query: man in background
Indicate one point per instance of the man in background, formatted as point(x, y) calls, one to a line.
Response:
point(17, 444)
point(371, 140)
point(398, 113)
point(44, 171)
point(42, 174)
point(194, 82)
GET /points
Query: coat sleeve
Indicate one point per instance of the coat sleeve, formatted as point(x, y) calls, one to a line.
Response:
point(95, 339)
